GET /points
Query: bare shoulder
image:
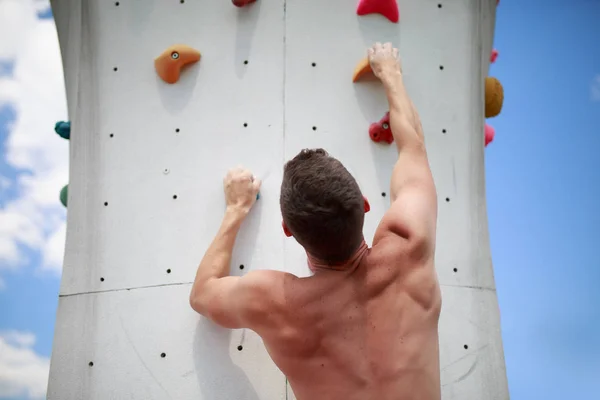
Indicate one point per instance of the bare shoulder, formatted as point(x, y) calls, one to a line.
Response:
point(266, 286)
point(264, 292)
point(409, 226)
point(410, 264)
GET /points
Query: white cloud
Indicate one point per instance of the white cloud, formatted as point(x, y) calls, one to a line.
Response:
point(34, 219)
point(54, 248)
point(17, 19)
point(41, 5)
point(23, 372)
point(9, 91)
point(19, 339)
point(595, 88)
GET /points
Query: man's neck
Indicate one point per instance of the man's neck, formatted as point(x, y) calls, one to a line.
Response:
point(316, 265)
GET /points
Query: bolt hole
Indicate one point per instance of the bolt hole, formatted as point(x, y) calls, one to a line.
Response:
point(245, 62)
point(314, 64)
point(383, 194)
point(117, 3)
point(245, 124)
point(314, 128)
point(441, 67)
point(174, 197)
point(240, 348)
point(466, 347)
point(105, 203)
point(443, 131)
point(91, 364)
point(241, 266)
point(169, 271)
point(176, 130)
point(101, 279)
point(447, 199)
point(182, 1)
point(455, 269)
point(439, 6)
point(112, 135)
point(163, 355)
point(115, 69)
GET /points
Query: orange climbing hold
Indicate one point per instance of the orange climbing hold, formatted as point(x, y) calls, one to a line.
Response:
point(169, 64)
point(362, 69)
point(387, 8)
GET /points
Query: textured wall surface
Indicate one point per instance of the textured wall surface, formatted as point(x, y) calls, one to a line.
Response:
point(148, 158)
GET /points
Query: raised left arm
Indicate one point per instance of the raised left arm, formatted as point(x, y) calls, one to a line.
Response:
point(215, 294)
point(231, 301)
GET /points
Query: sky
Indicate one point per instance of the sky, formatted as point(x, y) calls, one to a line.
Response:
point(542, 179)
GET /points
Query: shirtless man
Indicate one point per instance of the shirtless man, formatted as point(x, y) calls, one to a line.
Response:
point(364, 326)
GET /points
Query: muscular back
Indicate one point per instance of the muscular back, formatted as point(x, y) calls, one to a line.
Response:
point(366, 333)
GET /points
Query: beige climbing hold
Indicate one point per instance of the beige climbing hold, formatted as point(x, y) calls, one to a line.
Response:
point(362, 69)
point(494, 97)
point(169, 64)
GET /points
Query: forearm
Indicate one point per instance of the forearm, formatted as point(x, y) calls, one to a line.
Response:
point(217, 259)
point(412, 167)
point(404, 121)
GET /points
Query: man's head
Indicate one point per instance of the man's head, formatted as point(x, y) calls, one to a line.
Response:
point(322, 206)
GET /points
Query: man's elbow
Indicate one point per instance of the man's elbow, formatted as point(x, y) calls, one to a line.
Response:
point(198, 304)
point(195, 304)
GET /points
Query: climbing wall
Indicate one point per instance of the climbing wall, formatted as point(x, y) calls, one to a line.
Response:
point(148, 157)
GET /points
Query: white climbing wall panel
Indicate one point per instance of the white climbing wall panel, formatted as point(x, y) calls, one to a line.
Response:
point(147, 161)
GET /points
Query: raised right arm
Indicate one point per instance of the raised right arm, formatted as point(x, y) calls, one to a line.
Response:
point(412, 215)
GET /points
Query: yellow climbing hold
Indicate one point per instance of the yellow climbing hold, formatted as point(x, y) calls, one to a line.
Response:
point(494, 97)
point(362, 69)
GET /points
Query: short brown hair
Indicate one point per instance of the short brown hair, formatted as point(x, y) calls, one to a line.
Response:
point(322, 205)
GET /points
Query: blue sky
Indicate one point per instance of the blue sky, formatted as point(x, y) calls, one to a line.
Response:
point(29, 299)
point(542, 177)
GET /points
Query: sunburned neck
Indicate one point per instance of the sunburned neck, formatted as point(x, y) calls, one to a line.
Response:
point(317, 265)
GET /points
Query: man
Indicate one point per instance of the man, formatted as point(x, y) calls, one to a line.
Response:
point(365, 324)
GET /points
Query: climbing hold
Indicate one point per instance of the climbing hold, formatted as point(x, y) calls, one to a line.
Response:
point(169, 64)
point(363, 68)
point(494, 56)
point(257, 196)
point(242, 3)
point(490, 132)
point(381, 131)
point(63, 129)
point(387, 8)
point(64, 194)
point(494, 97)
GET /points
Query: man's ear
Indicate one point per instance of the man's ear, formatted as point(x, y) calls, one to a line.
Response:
point(285, 229)
point(367, 205)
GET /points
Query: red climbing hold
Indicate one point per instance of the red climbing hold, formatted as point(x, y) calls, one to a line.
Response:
point(493, 56)
point(490, 132)
point(387, 8)
point(381, 131)
point(242, 3)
